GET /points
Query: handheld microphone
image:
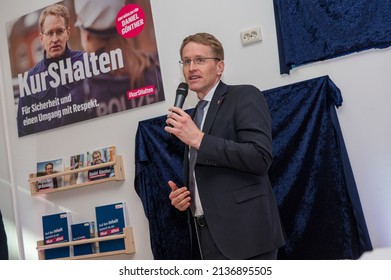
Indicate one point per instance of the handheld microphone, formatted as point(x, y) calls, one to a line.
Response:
point(180, 97)
point(181, 94)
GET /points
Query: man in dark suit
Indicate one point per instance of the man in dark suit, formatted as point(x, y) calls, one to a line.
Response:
point(232, 209)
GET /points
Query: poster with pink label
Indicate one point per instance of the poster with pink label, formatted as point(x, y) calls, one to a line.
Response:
point(77, 60)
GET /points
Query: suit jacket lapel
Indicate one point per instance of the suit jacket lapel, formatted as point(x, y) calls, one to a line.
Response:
point(217, 100)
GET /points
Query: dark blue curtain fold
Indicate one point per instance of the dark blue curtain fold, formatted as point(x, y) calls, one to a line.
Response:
point(311, 176)
point(159, 159)
point(315, 30)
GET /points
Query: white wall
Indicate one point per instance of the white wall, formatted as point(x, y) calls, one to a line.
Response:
point(363, 78)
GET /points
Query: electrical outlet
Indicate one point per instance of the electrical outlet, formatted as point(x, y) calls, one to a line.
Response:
point(251, 35)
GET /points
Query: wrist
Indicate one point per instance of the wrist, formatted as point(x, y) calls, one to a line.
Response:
point(197, 140)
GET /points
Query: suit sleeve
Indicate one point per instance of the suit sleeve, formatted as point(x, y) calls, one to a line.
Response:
point(240, 137)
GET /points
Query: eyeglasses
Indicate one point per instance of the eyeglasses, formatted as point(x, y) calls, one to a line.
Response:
point(59, 32)
point(197, 60)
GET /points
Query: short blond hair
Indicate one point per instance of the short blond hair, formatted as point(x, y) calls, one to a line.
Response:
point(207, 40)
point(55, 10)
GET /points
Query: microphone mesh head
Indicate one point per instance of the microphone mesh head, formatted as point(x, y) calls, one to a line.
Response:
point(182, 89)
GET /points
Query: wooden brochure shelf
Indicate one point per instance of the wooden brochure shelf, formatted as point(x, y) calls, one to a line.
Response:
point(127, 236)
point(119, 175)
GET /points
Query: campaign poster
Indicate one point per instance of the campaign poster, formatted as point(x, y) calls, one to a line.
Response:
point(47, 168)
point(77, 60)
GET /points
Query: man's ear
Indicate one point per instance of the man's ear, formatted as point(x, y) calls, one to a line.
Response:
point(41, 38)
point(68, 32)
point(220, 67)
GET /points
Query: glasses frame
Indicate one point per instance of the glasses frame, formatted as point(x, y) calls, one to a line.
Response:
point(197, 60)
point(59, 32)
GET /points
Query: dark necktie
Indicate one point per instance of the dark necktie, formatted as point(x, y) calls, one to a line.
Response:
point(193, 152)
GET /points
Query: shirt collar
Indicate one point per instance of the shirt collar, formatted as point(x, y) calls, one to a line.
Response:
point(208, 97)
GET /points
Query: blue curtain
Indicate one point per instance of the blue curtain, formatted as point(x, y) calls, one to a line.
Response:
point(315, 30)
point(311, 176)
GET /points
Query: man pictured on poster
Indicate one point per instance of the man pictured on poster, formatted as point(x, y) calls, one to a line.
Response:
point(227, 193)
point(49, 169)
point(112, 73)
point(48, 183)
point(97, 158)
point(103, 172)
point(43, 100)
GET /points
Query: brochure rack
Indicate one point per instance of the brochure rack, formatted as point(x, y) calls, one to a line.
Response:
point(127, 236)
point(119, 175)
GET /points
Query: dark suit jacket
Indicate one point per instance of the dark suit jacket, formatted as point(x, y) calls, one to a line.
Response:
point(232, 173)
